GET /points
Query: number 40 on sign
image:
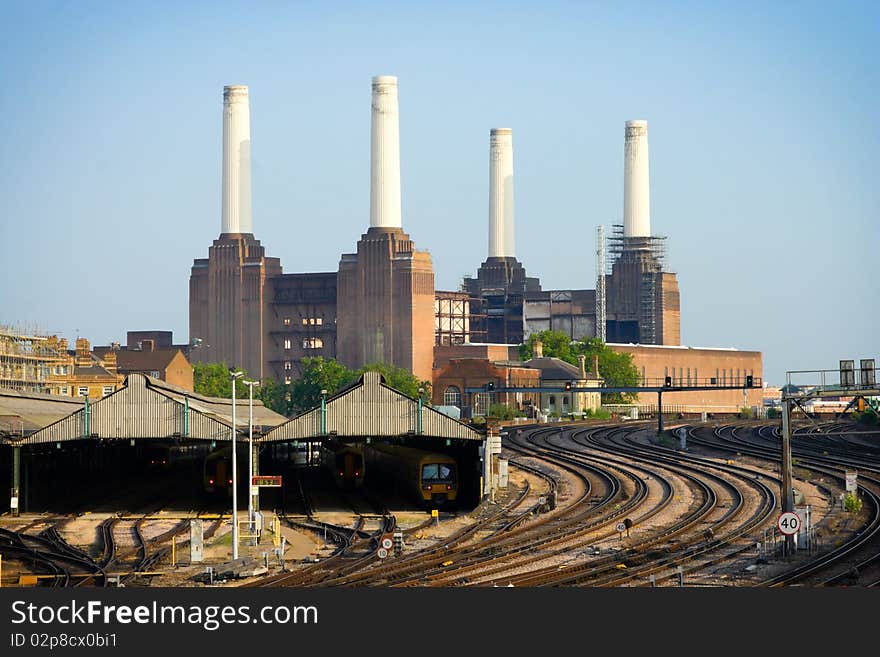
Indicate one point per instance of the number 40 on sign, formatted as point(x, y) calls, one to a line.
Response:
point(788, 523)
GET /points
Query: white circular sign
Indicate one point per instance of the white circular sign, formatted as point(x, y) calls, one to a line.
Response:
point(789, 523)
point(621, 527)
point(386, 543)
point(381, 553)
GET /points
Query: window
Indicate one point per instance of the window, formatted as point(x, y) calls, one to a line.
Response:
point(63, 390)
point(107, 390)
point(287, 343)
point(644, 380)
point(287, 365)
point(440, 472)
point(452, 396)
point(287, 380)
point(313, 343)
point(82, 391)
point(287, 321)
point(319, 321)
point(154, 374)
point(689, 376)
point(305, 321)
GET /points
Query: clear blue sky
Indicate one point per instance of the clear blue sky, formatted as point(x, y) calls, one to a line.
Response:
point(762, 128)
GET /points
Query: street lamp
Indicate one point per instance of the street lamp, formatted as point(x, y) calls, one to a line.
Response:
point(235, 375)
point(250, 385)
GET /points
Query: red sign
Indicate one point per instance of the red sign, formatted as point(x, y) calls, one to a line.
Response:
point(266, 481)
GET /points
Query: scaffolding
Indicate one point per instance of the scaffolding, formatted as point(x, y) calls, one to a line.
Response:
point(458, 318)
point(618, 244)
point(27, 360)
point(600, 283)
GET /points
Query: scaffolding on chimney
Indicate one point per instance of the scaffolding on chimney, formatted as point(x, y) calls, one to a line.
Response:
point(618, 244)
point(600, 283)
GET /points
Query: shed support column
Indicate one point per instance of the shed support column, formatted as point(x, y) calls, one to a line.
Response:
point(16, 478)
point(787, 496)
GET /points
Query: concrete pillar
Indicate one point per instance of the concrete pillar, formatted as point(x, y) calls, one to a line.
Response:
point(501, 230)
point(236, 201)
point(636, 192)
point(385, 154)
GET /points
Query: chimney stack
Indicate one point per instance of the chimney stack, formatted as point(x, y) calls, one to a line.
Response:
point(596, 365)
point(385, 154)
point(501, 242)
point(636, 192)
point(538, 351)
point(236, 201)
point(582, 359)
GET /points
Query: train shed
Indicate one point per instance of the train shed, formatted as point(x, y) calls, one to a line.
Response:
point(371, 411)
point(34, 428)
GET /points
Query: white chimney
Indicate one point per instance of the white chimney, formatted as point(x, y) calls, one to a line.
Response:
point(385, 154)
point(636, 193)
point(501, 243)
point(236, 202)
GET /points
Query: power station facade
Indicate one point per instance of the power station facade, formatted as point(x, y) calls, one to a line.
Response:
point(380, 305)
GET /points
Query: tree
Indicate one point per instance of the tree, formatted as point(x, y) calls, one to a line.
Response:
point(318, 374)
point(214, 380)
point(400, 379)
point(615, 368)
point(277, 396)
point(554, 344)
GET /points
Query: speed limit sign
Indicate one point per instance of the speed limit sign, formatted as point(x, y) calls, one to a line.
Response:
point(381, 553)
point(788, 523)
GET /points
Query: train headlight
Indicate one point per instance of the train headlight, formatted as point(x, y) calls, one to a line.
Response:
point(211, 481)
point(448, 486)
point(230, 482)
point(357, 474)
point(426, 486)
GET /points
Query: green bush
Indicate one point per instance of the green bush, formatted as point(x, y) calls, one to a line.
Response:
point(773, 414)
point(745, 413)
point(598, 414)
point(869, 417)
point(502, 411)
point(852, 503)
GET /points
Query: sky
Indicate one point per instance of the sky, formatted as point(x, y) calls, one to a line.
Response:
point(762, 136)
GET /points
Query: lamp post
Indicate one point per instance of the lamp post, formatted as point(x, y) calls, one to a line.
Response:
point(235, 375)
point(251, 495)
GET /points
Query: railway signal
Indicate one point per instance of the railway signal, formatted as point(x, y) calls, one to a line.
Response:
point(387, 543)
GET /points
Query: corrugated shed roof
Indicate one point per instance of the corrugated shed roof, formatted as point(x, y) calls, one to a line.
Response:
point(149, 408)
point(30, 411)
point(371, 408)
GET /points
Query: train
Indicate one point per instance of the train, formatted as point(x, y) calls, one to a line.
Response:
point(217, 471)
point(158, 458)
point(345, 463)
point(429, 477)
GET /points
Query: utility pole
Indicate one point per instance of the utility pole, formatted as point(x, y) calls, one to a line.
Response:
point(787, 496)
point(235, 375)
point(252, 494)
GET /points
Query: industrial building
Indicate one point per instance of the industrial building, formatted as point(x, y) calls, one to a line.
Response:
point(378, 306)
point(636, 299)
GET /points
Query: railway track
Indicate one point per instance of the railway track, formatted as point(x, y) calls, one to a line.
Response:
point(860, 553)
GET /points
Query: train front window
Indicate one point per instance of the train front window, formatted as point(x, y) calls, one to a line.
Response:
point(438, 472)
